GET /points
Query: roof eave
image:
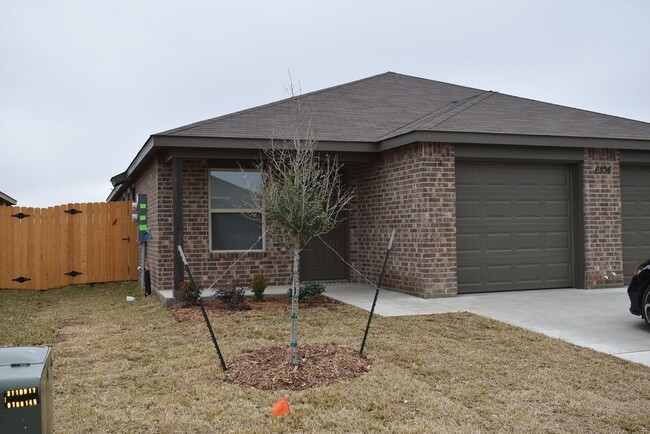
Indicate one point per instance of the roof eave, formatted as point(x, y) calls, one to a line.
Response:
point(255, 143)
point(512, 139)
point(122, 180)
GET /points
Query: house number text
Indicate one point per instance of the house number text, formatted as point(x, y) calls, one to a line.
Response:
point(603, 170)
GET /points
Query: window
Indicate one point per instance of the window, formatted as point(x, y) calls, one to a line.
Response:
point(235, 223)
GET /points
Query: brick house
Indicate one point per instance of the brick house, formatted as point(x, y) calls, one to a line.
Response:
point(488, 192)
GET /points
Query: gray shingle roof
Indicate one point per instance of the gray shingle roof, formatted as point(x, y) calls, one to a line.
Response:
point(389, 105)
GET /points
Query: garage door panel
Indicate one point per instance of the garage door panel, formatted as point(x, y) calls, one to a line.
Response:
point(529, 273)
point(498, 274)
point(560, 240)
point(528, 209)
point(469, 243)
point(557, 209)
point(469, 276)
point(557, 272)
point(469, 209)
point(526, 177)
point(556, 177)
point(635, 213)
point(528, 241)
point(517, 232)
point(645, 178)
point(497, 209)
point(628, 209)
point(629, 238)
point(498, 242)
point(493, 178)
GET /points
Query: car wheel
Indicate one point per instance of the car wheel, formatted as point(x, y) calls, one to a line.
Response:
point(645, 305)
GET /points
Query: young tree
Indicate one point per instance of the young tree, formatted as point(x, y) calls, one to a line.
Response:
point(302, 195)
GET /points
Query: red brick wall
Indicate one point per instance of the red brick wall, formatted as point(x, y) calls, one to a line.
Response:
point(602, 219)
point(412, 190)
point(155, 182)
point(206, 266)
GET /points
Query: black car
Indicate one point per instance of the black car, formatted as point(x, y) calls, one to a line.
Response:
point(639, 291)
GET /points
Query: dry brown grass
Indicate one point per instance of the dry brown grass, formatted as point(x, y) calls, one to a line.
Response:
point(131, 367)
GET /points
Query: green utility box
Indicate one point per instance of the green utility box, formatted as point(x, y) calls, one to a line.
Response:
point(25, 375)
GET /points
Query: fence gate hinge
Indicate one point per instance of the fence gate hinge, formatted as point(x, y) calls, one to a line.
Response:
point(21, 279)
point(73, 211)
point(73, 273)
point(20, 215)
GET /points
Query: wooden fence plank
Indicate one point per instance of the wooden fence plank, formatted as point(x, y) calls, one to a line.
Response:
point(83, 224)
point(122, 212)
point(91, 210)
point(15, 236)
point(26, 246)
point(103, 268)
point(35, 259)
point(5, 247)
point(47, 246)
point(58, 248)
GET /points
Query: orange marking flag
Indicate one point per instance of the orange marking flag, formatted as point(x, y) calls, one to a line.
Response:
point(281, 407)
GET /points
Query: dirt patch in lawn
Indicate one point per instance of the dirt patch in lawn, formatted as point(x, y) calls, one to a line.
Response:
point(318, 365)
point(189, 312)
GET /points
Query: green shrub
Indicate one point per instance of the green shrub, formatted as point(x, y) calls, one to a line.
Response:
point(308, 291)
point(258, 285)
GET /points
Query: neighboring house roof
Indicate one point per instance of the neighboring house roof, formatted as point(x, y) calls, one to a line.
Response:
point(7, 200)
point(388, 110)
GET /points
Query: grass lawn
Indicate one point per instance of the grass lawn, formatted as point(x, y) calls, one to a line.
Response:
point(131, 367)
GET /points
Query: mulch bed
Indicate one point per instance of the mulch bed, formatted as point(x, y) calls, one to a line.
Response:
point(189, 312)
point(269, 368)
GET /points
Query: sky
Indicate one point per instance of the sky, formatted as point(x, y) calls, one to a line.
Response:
point(84, 84)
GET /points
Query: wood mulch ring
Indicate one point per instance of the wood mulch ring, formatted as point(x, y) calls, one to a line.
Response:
point(269, 368)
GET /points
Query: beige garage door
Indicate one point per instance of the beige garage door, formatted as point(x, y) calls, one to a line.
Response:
point(514, 226)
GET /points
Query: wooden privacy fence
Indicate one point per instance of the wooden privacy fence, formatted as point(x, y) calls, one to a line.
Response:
point(42, 248)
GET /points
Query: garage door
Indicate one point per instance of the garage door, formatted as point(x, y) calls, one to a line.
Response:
point(635, 210)
point(514, 226)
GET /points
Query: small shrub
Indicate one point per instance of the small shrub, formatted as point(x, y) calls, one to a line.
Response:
point(187, 292)
point(258, 285)
point(232, 296)
point(308, 291)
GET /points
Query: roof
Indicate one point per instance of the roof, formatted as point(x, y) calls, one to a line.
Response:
point(391, 104)
point(6, 199)
point(388, 110)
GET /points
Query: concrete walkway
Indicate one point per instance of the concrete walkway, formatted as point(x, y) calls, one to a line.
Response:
point(597, 318)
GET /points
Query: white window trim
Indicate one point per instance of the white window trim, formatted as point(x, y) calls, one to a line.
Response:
point(231, 211)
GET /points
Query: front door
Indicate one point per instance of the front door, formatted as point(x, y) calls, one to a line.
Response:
point(320, 262)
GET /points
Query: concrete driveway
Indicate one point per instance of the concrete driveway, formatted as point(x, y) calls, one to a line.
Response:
point(597, 318)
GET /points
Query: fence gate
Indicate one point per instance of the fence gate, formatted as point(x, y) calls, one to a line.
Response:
point(42, 248)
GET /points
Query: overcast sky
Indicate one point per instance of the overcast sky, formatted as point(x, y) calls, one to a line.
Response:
point(83, 84)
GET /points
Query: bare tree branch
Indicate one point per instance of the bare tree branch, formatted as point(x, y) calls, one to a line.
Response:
point(302, 193)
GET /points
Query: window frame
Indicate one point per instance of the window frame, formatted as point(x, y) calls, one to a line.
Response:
point(212, 211)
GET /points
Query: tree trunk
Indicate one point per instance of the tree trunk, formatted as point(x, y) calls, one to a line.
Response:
point(294, 308)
